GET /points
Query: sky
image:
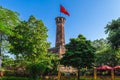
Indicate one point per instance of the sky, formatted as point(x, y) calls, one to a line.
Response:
point(87, 17)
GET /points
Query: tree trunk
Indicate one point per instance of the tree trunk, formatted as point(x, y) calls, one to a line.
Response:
point(78, 78)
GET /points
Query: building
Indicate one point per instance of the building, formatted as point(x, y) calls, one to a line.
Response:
point(59, 48)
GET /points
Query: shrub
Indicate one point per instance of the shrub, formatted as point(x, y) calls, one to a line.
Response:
point(36, 69)
point(9, 73)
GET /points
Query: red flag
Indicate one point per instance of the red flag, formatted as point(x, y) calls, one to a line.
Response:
point(63, 10)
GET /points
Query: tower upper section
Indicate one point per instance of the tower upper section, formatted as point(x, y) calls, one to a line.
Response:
point(60, 39)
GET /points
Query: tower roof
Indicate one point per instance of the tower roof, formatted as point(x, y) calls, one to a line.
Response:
point(60, 17)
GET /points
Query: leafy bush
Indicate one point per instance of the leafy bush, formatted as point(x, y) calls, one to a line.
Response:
point(36, 69)
point(9, 73)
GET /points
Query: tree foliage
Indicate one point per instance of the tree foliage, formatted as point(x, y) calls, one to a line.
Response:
point(36, 69)
point(100, 44)
point(80, 53)
point(53, 58)
point(30, 39)
point(113, 31)
point(8, 20)
point(7, 61)
point(105, 55)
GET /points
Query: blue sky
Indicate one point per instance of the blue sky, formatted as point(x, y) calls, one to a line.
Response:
point(87, 17)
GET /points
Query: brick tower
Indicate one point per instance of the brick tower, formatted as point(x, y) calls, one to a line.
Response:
point(60, 37)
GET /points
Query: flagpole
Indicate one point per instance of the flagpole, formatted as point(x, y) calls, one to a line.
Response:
point(60, 14)
point(60, 11)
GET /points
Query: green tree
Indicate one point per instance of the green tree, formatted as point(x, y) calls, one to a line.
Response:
point(30, 40)
point(100, 44)
point(79, 54)
point(113, 31)
point(53, 58)
point(105, 55)
point(8, 20)
point(30, 43)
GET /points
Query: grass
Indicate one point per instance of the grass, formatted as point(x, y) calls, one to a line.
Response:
point(24, 78)
point(15, 78)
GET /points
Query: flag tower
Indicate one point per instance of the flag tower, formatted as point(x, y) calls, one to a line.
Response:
point(59, 48)
point(60, 36)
